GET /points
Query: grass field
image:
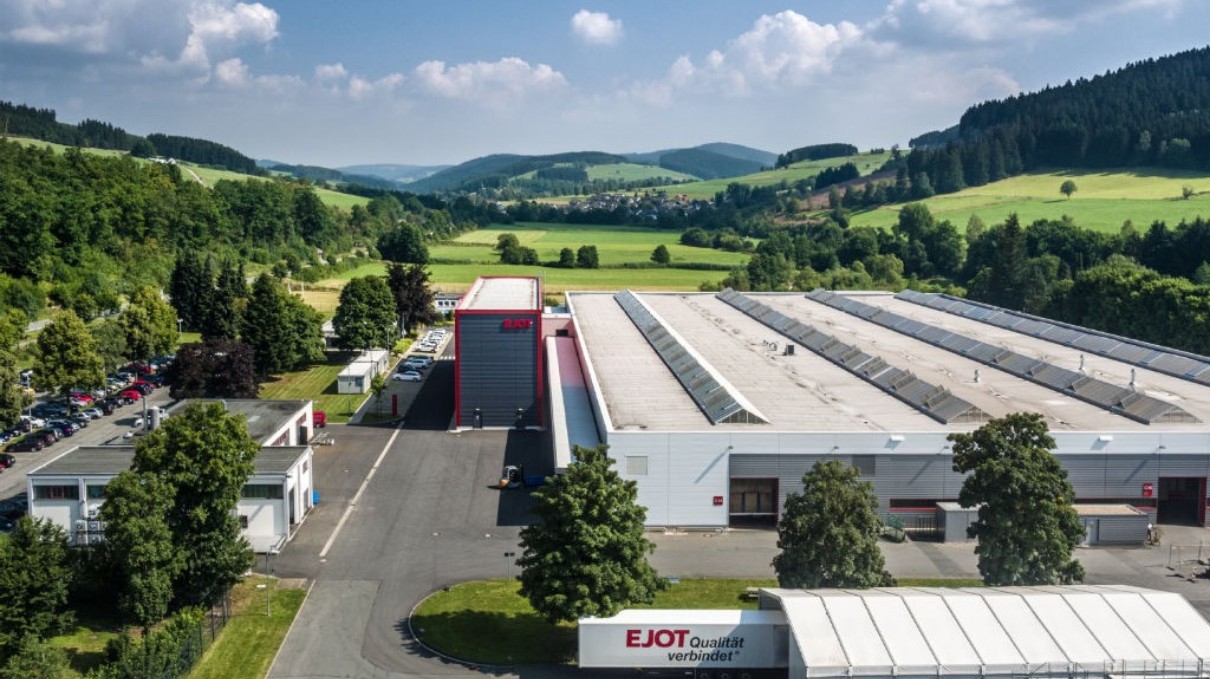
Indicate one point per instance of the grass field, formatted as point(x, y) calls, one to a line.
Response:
point(85, 642)
point(1102, 201)
point(317, 383)
point(615, 245)
point(246, 647)
point(635, 172)
point(487, 621)
point(865, 162)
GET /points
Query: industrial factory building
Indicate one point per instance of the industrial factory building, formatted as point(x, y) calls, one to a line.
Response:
point(716, 404)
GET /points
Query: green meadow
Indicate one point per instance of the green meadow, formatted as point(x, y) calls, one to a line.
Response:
point(616, 245)
point(865, 162)
point(635, 172)
point(1102, 201)
point(457, 263)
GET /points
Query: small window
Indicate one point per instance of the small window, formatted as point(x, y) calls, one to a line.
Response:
point(262, 491)
point(243, 521)
point(96, 492)
point(636, 465)
point(57, 492)
point(866, 465)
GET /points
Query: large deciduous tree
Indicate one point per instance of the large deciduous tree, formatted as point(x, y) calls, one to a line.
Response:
point(587, 257)
point(140, 541)
point(587, 556)
point(403, 243)
point(212, 369)
point(413, 296)
point(13, 396)
point(828, 533)
point(365, 317)
point(150, 324)
point(67, 356)
point(1027, 527)
point(34, 582)
point(206, 455)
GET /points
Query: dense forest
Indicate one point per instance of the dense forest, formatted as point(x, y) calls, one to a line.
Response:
point(85, 230)
point(815, 152)
point(37, 123)
point(1148, 113)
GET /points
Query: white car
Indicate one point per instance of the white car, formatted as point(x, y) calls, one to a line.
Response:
point(94, 413)
point(408, 376)
point(417, 362)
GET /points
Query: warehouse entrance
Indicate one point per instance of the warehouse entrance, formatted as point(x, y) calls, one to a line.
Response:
point(1182, 500)
point(753, 502)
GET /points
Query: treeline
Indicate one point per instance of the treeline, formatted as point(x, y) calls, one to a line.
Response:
point(203, 152)
point(41, 123)
point(82, 230)
point(1153, 285)
point(1148, 113)
point(815, 152)
point(707, 164)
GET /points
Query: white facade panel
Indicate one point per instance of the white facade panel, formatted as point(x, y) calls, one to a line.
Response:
point(1142, 619)
point(909, 651)
point(985, 633)
point(1061, 622)
point(1028, 636)
point(265, 519)
point(1095, 613)
point(862, 644)
point(944, 635)
point(698, 480)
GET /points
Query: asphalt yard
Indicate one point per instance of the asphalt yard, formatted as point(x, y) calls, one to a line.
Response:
point(405, 511)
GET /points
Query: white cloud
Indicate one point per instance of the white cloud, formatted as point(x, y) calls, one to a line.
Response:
point(219, 25)
point(596, 28)
point(779, 51)
point(1000, 21)
point(232, 73)
point(493, 83)
point(328, 73)
point(360, 88)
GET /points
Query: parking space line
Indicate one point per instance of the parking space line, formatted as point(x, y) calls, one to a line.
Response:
point(323, 553)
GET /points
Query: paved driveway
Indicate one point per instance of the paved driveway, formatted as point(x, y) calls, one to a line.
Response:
point(429, 516)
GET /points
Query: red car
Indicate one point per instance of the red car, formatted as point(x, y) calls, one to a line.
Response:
point(130, 395)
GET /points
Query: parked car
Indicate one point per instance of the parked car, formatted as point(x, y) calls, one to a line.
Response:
point(13, 508)
point(417, 362)
point(68, 427)
point(30, 422)
point(129, 396)
point(319, 419)
point(95, 412)
point(7, 460)
point(26, 444)
point(408, 376)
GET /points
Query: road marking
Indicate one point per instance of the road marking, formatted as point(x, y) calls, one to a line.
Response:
point(323, 553)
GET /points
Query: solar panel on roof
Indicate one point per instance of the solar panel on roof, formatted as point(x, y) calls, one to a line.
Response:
point(1128, 403)
point(1172, 362)
point(903, 385)
point(718, 404)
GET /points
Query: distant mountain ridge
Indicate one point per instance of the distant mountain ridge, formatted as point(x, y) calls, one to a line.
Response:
point(394, 172)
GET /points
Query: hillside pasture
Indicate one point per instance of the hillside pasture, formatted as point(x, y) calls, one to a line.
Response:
point(616, 245)
point(1102, 201)
point(635, 172)
point(866, 163)
point(207, 175)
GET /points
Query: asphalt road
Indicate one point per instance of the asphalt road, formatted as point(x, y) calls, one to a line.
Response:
point(429, 516)
point(98, 432)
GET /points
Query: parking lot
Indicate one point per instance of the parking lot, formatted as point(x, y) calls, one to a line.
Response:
point(108, 429)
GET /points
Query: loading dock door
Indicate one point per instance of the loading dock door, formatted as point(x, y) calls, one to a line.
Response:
point(754, 500)
point(1182, 500)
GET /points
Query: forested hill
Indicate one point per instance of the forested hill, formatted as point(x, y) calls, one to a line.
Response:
point(1153, 112)
point(41, 123)
point(496, 170)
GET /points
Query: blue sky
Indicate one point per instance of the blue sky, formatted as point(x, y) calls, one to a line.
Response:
point(336, 83)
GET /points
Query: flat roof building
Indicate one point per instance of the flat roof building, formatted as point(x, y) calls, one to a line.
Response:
point(70, 488)
point(716, 404)
point(498, 365)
